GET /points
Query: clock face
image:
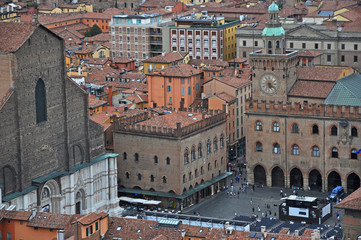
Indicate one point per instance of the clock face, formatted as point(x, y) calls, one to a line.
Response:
point(269, 84)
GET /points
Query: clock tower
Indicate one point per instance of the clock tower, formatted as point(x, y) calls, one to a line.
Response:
point(273, 67)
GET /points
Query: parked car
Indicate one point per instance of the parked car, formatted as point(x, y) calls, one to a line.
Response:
point(337, 192)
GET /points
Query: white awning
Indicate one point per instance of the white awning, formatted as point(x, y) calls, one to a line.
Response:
point(138, 200)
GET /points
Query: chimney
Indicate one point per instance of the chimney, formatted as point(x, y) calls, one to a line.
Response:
point(35, 20)
point(110, 95)
point(60, 235)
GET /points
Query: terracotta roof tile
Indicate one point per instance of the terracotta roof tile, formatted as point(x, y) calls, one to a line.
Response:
point(313, 89)
point(226, 97)
point(101, 37)
point(122, 60)
point(166, 58)
point(309, 53)
point(16, 215)
point(50, 220)
point(92, 217)
point(322, 73)
point(93, 102)
point(138, 98)
point(179, 70)
point(208, 62)
point(353, 201)
point(234, 81)
point(237, 60)
point(13, 35)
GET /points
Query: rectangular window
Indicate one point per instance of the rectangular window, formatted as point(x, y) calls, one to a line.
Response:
point(135, 30)
point(190, 41)
point(96, 226)
point(190, 50)
point(197, 86)
point(328, 46)
point(182, 41)
point(206, 51)
point(205, 42)
point(214, 43)
point(198, 42)
point(244, 54)
point(244, 43)
point(343, 46)
point(170, 100)
point(182, 91)
point(189, 90)
point(316, 45)
point(256, 43)
point(355, 47)
point(328, 58)
point(174, 41)
point(303, 45)
point(128, 30)
point(198, 50)
point(169, 88)
point(182, 80)
point(355, 59)
point(342, 58)
point(291, 45)
point(170, 80)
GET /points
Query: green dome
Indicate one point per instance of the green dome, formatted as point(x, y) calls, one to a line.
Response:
point(273, 7)
point(273, 31)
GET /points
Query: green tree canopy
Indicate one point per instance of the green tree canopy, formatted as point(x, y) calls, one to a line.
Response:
point(94, 30)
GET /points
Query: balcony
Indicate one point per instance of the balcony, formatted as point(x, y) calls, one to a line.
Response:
point(156, 42)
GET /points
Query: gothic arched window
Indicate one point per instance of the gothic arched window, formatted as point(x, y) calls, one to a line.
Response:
point(40, 101)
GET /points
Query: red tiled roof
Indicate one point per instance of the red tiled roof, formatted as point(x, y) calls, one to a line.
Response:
point(167, 58)
point(138, 98)
point(309, 53)
point(93, 103)
point(16, 215)
point(321, 73)
point(208, 62)
point(101, 37)
point(170, 120)
point(13, 35)
point(50, 220)
point(91, 217)
point(238, 60)
point(233, 81)
point(122, 60)
point(226, 97)
point(179, 70)
point(55, 18)
point(353, 201)
point(313, 89)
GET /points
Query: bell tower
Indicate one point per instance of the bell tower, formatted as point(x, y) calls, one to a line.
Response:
point(273, 67)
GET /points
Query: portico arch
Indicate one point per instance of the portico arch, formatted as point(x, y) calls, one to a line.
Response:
point(353, 182)
point(333, 180)
point(278, 177)
point(315, 180)
point(259, 175)
point(296, 178)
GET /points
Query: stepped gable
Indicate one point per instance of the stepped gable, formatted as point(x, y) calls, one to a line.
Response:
point(14, 35)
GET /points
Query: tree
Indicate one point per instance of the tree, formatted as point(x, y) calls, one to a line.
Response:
point(94, 30)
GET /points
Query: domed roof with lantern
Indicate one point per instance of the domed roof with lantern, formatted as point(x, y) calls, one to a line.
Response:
point(273, 26)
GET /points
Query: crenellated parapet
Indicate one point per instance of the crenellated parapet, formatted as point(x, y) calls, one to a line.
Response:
point(134, 124)
point(297, 108)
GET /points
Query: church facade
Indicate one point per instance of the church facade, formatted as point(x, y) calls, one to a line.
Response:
point(292, 143)
point(53, 156)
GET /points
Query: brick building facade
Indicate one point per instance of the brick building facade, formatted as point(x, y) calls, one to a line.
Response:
point(177, 157)
point(292, 144)
point(49, 147)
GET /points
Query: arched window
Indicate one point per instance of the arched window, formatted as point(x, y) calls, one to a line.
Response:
point(167, 160)
point(186, 159)
point(124, 156)
point(354, 132)
point(295, 150)
point(136, 157)
point(202, 172)
point(215, 164)
point(193, 153)
point(190, 176)
point(315, 151)
point(221, 142)
point(209, 150)
point(276, 148)
point(314, 129)
point(277, 44)
point(353, 154)
point(184, 178)
point(151, 178)
point(295, 128)
point(40, 101)
point(164, 179)
point(258, 126)
point(334, 152)
point(127, 175)
point(196, 173)
point(156, 159)
point(333, 130)
point(269, 44)
point(209, 167)
point(215, 144)
point(259, 147)
point(139, 176)
point(276, 127)
point(200, 153)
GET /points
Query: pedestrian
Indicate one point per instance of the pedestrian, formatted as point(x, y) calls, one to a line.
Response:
point(259, 210)
point(253, 187)
point(263, 214)
point(194, 212)
point(247, 183)
point(281, 193)
point(238, 194)
point(251, 202)
point(275, 215)
point(253, 209)
point(235, 214)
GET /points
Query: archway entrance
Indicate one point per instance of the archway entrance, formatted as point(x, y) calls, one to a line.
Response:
point(259, 176)
point(334, 180)
point(296, 178)
point(353, 182)
point(278, 177)
point(315, 180)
